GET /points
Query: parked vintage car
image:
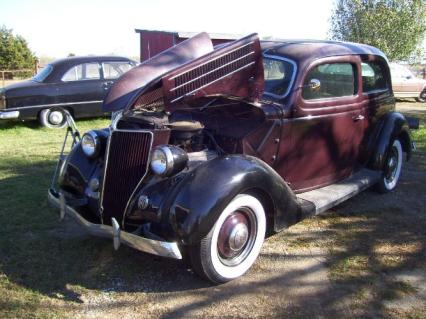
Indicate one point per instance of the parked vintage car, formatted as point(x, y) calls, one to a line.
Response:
point(405, 84)
point(77, 84)
point(211, 149)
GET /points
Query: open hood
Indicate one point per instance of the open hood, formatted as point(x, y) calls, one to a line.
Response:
point(189, 71)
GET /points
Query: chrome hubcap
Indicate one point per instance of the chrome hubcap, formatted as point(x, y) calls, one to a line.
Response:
point(236, 237)
point(56, 117)
point(392, 165)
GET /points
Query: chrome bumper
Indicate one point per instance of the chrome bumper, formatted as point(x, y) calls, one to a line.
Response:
point(156, 247)
point(6, 115)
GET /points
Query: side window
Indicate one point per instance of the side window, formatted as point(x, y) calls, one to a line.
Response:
point(331, 79)
point(85, 71)
point(373, 77)
point(113, 70)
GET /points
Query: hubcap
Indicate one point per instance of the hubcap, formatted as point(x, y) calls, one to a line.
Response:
point(236, 237)
point(392, 165)
point(56, 117)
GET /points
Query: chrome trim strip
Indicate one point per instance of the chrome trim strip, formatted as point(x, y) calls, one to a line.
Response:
point(293, 76)
point(207, 73)
point(9, 115)
point(155, 247)
point(222, 77)
point(218, 57)
point(53, 104)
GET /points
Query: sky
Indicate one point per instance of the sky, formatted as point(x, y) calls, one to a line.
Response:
point(57, 28)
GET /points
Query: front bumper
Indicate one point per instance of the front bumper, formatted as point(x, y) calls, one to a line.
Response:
point(156, 247)
point(7, 115)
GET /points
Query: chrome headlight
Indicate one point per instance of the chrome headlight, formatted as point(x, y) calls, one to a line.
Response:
point(90, 144)
point(167, 160)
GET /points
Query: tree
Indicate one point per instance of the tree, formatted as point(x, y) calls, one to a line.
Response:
point(397, 27)
point(14, 51)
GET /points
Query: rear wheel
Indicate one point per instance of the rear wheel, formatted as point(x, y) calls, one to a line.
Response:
point(422, 97)
point(392, 169)
point(53, 118)
point(234, 242)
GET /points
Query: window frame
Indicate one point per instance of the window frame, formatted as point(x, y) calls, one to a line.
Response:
point(120, 61)
point(344, 97)
point(387, 75)
point(293, 76)
point(84, 80)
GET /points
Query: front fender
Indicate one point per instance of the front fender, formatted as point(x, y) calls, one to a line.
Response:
point(393, 125)
point(204, 193)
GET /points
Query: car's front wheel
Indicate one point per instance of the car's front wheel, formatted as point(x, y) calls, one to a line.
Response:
point(53, 118)
point(234, 242)
point(392, 168)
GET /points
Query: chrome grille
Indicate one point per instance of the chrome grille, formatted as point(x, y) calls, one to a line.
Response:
point(127, 163)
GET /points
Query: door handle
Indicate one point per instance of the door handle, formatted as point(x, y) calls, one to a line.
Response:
point(359, 117)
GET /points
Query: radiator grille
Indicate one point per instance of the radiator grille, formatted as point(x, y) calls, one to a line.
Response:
point(127, 163)
point(199, 77)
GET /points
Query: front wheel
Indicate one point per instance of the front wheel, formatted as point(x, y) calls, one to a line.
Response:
point(392, 169)
point(233, 244)
point(53, 118)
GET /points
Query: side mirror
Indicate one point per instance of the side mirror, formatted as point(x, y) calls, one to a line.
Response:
point(314, 84)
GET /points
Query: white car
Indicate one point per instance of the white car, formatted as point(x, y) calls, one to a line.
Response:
point(405, 84)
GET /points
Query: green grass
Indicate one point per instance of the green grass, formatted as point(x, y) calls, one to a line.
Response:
point(32, 265)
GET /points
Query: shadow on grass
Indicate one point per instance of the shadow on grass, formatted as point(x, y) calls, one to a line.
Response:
point(12, 124)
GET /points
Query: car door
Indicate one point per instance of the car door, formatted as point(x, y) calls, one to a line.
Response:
point(81, 88)
point(327, 125)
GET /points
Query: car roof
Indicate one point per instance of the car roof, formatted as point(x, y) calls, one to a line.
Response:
point(85, 59)
point(299, 50)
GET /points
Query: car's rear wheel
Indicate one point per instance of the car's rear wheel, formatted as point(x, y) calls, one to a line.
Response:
point(392, 168)
point(234, 242)
point(53, 118)
point(422, 97)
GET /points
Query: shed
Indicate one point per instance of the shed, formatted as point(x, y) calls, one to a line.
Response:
point(153, 42)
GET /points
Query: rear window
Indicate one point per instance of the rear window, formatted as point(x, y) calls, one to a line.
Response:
point(373, 77)
point(113, 70)
point(43, 73)
point(332, 79)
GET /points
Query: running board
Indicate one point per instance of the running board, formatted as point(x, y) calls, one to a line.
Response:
point(329, 196)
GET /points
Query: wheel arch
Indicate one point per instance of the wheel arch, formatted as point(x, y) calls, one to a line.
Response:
point(393, 125)
point(203, 194)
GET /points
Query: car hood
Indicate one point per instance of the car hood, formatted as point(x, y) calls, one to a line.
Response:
point(189, 71)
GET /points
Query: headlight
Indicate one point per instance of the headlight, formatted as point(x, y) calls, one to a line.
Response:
point(167, 160)
point(90, 144)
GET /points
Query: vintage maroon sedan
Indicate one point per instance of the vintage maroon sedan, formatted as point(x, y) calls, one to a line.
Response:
point(211, 149)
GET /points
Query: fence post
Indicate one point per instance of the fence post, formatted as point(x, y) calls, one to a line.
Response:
point(36, 62)
point(424, 73)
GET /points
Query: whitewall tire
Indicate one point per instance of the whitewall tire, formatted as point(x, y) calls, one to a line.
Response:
point(234, 242)
point(392, 169)
point(53, 118)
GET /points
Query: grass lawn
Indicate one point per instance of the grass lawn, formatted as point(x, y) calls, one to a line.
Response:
point(49, 269)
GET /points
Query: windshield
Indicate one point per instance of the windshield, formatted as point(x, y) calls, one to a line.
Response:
point(43, 73)
point(279, 75)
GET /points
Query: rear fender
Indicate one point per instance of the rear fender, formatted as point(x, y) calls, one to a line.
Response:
point(393, 126)
point(204, 193)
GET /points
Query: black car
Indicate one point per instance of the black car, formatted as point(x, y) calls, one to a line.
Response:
point(77, 84)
